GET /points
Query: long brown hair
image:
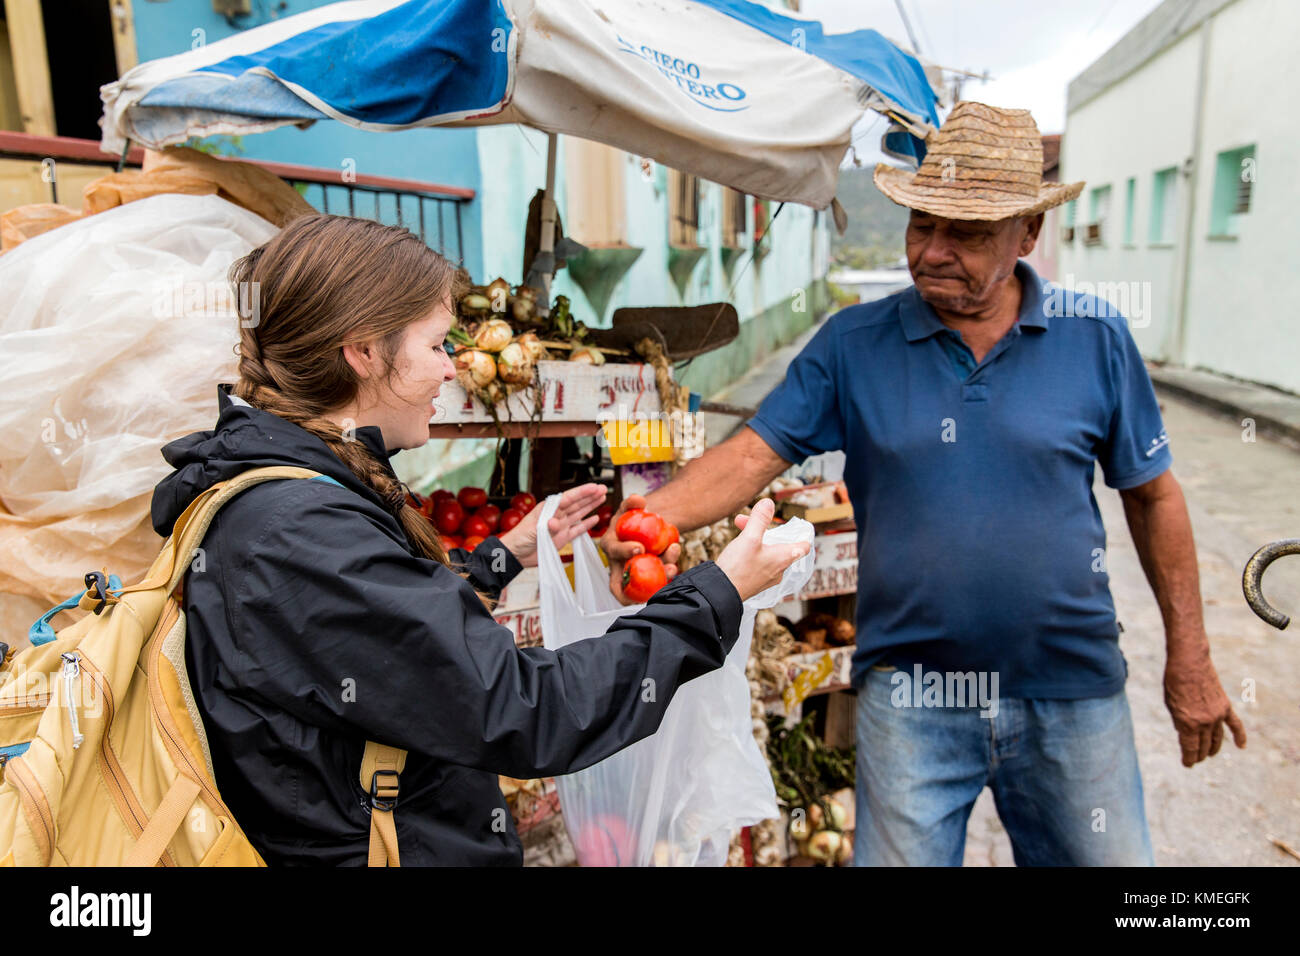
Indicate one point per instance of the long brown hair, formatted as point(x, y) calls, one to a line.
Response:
point(323, 282)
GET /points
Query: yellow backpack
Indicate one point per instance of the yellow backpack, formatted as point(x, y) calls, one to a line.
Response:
point(103, 756)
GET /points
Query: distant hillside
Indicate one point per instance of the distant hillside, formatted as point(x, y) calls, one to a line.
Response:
point(876, 224)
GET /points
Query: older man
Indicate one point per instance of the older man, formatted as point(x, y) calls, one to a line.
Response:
point(972, 409)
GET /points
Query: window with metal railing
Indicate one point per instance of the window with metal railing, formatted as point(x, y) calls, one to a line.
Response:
point(432, 211)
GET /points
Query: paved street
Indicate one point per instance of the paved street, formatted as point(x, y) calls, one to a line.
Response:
point(1224, 811)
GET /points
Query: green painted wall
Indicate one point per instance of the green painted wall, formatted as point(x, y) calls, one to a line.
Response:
point(759, 337)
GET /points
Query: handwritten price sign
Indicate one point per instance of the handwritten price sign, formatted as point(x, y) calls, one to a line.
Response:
point(526, 624)
point(835, 570)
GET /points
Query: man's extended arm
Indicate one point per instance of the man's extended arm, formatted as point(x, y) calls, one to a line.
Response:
point(1162, 532)
point(718, 484)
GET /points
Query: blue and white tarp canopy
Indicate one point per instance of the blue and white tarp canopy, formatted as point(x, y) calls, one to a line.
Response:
point(729, 90)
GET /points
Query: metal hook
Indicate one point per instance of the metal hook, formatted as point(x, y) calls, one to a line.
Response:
point(1254, 572)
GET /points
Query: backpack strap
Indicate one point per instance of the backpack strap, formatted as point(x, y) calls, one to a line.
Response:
point(381, 765)
point(164, 822)
point(193, 523)
point(381, 775)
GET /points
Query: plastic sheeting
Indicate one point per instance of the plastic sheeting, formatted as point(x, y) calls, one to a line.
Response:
point(114, 332)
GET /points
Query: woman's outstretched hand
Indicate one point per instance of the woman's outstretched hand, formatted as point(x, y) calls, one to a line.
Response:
point(751, 565)
point(571, 519)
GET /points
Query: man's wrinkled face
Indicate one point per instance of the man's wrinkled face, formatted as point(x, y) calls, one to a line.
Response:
point(957, 263)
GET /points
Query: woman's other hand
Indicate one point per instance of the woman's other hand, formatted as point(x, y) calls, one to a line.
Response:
point(571, 519)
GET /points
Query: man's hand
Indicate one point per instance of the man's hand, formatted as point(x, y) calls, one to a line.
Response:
point(1199, 706)
point(618, 551)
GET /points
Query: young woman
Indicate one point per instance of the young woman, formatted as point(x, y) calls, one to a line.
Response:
point(327, 614)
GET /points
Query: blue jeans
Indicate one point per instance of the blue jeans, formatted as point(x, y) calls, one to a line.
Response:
point(1064, 775)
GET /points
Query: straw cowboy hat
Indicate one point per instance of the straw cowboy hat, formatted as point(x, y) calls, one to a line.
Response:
point(983, 163)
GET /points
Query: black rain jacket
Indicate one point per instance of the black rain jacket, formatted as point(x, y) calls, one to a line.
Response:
point(313, 626)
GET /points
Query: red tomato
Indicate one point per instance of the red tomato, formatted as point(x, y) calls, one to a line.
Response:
point(447, 516)
point(475, 527)
point(603, 514)
point(523, 502)
point(471, 497)
point(667, 538)
point(491, 514)
point(641, 526)
point(509, 518)
point(442, 493)
point(472, 542)
point(450, 541)
point(643, 575)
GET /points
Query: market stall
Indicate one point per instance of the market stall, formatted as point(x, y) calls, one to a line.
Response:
point(730, 91)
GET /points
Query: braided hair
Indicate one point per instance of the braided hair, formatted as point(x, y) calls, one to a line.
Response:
point(323, 282)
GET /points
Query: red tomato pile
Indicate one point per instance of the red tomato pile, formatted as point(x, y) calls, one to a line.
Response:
point(603, 514)
point(464, 519)
point(644, 574)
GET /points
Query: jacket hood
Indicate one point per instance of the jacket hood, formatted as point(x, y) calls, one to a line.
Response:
point(246, 437)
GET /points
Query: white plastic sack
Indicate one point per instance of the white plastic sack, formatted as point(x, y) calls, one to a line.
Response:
point(676, 797)
point(114, 332)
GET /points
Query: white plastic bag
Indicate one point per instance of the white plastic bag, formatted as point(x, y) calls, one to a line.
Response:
point(114, 332)
point(676, 797)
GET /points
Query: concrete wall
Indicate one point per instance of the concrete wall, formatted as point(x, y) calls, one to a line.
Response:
point(1235, 321)
point(1112, 137)
point(1240, 321)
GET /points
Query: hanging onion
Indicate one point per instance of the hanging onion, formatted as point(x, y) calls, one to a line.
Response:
point(475, 369)
point(532, 347)
point(513, 365)
point(494, 335)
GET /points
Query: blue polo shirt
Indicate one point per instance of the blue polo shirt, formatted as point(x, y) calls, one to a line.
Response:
point(980, 545)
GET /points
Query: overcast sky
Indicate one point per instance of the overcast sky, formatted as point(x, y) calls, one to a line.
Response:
point(1032, 49)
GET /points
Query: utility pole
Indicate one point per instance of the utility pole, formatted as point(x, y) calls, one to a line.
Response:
point(907, 25)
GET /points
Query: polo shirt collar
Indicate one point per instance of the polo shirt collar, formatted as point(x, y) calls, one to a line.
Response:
point(920, 321)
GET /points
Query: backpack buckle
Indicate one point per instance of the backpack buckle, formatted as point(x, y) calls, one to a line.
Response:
point(384, 796)
point(97, 582)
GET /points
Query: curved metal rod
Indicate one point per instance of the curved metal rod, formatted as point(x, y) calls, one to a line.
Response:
point(1253, 574)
